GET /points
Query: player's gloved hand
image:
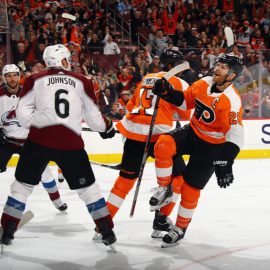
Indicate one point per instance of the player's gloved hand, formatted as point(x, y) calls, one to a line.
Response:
point(110, 131)
point(2, 138)
point(224, 173)
point(162, 88)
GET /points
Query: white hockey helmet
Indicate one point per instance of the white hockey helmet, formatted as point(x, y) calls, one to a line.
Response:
point(54, 54)
point(9, 69)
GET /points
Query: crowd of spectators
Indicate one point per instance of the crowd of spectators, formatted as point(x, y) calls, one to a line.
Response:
point(195, 27)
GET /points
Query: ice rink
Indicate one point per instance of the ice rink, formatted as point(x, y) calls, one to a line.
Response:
point(230, 229)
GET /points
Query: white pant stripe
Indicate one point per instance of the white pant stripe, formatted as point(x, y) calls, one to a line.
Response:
point(163, 172)
point(185, 213)
point(175, 197)
point(115, 200)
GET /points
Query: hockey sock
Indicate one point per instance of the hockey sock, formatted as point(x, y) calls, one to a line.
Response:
point(188, 204)
point(101, 215)
point(52, 190)
point(165, 149)
point(121, 188)
point(13, 211)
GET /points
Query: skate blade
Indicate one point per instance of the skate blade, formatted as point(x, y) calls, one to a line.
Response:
point(112, 248)
point(166, 245)
point(97, 238)
point(158, 234)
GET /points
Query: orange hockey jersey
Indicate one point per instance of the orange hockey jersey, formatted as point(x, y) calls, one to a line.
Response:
point(218, 116)
point(135, 124)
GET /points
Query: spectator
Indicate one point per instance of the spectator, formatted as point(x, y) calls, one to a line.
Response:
point(20, 53)
point(125, 78)
point(105, 101)
point(95, 46)
point(122, 102)
point(193, 38)
point(114, 114)
point(160, 41)
point(155, 66)
point(111, 47)
point(244, 35)
point(17, 30)
point(257, 40)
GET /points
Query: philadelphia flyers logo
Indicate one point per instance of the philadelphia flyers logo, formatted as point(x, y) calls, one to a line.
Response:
point(204, 112)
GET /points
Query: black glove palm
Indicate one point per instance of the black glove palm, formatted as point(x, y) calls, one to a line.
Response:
point(110, 131)
point(224, 173)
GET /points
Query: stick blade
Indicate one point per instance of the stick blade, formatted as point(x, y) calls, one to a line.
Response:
point(27, 216)
point(69, 16)
point(229, 36)
point(176, 70)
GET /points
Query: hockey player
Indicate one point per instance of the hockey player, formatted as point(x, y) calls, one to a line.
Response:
point(53, 104)
point(135, 127)
point(12, 135)
point(213, 139)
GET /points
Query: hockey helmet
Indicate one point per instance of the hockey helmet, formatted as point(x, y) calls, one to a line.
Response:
point(171, 57)
point(10, 69)
point(235, 64)
point(54, 54)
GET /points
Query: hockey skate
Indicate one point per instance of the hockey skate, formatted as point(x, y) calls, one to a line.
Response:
point(8, 234)
point(173, 237)
point(105, 230)
point(161, 197)
point(161, 224)
point(107, 239)
point(60, 205)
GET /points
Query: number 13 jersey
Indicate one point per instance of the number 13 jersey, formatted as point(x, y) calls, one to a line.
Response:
point(135, 124)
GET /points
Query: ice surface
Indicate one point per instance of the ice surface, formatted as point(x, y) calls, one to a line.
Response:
point(229, 231)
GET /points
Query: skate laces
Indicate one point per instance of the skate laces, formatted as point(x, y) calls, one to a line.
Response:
point(158, 191)
point(175, 232)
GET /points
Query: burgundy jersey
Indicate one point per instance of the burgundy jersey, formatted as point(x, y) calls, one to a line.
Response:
point(53, 104)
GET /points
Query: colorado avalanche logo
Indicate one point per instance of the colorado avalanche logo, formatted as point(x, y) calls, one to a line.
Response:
point(9, 118)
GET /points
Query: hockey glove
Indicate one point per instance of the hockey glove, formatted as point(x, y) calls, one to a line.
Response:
point(110, 131)
point(224, 173)
point(162, 88)
point(2, 138)
point(165, 90)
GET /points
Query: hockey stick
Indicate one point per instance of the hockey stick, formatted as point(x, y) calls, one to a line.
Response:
point(26, 217)
point(14, 142)
point(230, 43)
point(89, 129)
point(167, 76)
point(230, 39)
point(114, 167)
point(69, 16)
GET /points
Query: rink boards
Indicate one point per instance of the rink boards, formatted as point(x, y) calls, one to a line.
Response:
point(257, 144)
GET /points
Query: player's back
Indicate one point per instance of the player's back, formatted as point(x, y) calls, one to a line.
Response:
point(58, 99)
point(135, 125)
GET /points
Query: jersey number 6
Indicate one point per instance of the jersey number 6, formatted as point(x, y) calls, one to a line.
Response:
point(61, 103)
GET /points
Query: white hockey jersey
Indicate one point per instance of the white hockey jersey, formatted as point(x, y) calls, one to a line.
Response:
point(8, 121)
point(53, 104)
